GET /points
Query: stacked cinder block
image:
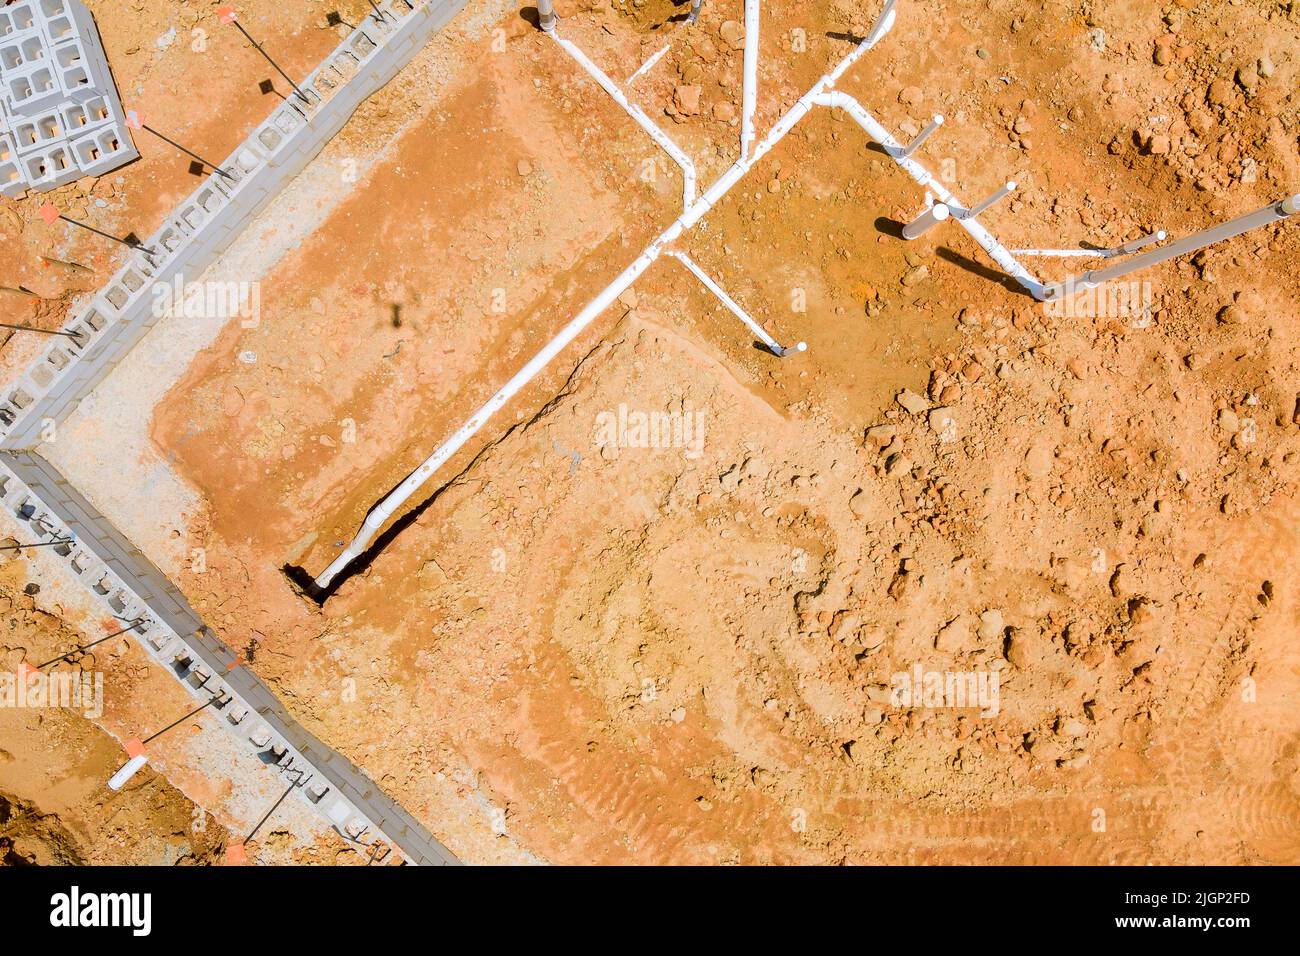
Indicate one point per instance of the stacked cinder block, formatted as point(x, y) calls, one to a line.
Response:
point(60, 117)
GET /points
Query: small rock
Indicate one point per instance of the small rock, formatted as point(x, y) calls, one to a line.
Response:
point(912, 402)
point(733, 34)
point(881, 435)
point(1219, 93)
point(942, 421)
point(687, 99)
point(953, 636)
point(1232, 315)
point(916, 275)
point(1074, 728)
point(525, 168)
point(910, 96)
point(991, 625)
point(1164, 51)
point(897, 464)
point(860, 504)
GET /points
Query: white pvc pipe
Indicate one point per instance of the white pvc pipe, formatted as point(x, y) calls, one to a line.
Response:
point(695, 11)
point(1235, 227)
point(1127, 249)
point(634, 111)
point(380, 514)
point(998, 196)
point(922, 136)
point(1062, 253)
point(647, 65)
point(995, 250)
point(546, 15)
point(383, 511)
point(749, 88)
point(926, 221)
point(773, 345)
point(884, 23)
point(128, 770)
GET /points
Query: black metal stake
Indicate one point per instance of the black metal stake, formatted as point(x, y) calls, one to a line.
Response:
point(181, 721)
point(28, 328)
point(172, 142)
point(257, 46)
point(108, 235)
point(269, 812)
point(82, 648)
point(40, 544)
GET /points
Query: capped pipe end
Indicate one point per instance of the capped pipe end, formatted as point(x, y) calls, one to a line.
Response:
point(1161, 236)
point(129, 770)
point(938, 119)
point(1291, 206)
point(1012, 186)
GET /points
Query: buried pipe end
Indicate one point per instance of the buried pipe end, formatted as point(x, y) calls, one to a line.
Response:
point(304, 584)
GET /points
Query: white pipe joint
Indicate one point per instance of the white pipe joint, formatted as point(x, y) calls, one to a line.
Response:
point(546, 15)
point(923, 223)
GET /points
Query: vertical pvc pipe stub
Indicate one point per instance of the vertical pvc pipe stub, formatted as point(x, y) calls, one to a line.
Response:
point(546, 15)
point(924, 222)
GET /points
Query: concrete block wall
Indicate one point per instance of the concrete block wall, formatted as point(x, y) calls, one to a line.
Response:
point(132, 588)
point(60, 116)
point(117, 318)
point(205, 224)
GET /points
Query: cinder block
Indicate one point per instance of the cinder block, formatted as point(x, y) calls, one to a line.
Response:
point(57, 97)
point(17, 18)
